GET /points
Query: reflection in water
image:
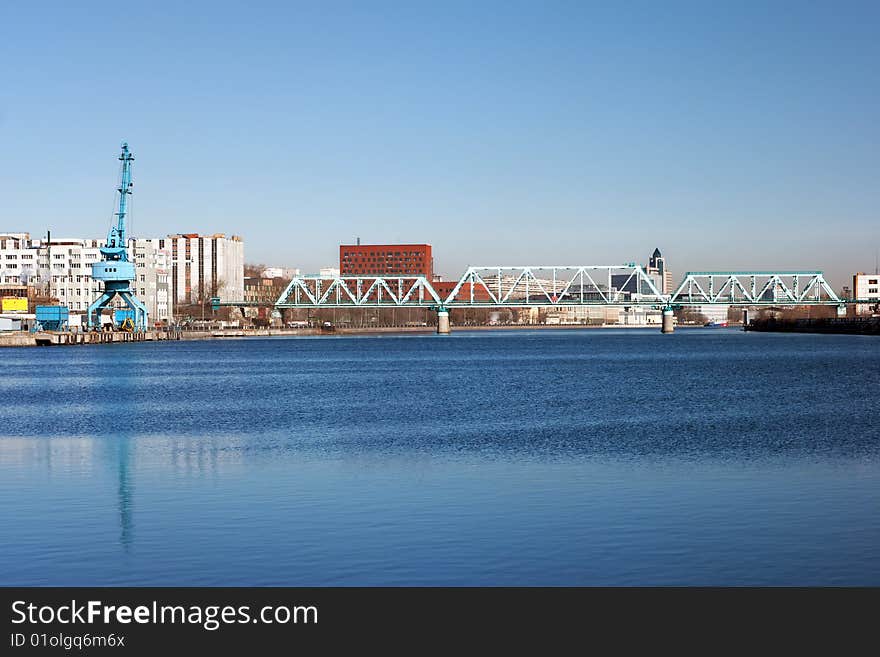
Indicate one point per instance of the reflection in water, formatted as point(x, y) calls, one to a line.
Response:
point(125, 492)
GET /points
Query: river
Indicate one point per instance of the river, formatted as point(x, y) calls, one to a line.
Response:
point(594, 457)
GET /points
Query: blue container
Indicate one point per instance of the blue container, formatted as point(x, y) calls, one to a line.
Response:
point(120, 316)
point(53, 318)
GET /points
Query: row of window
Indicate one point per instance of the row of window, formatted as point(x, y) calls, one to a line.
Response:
point(83, 293)
point(382, 260)
point(373, 272)
point(63, 256)
point(387, 254)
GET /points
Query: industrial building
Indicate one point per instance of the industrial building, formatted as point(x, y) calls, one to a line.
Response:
point(445, 288)
point(60, 268)
point(386, 260)
point(171, 271)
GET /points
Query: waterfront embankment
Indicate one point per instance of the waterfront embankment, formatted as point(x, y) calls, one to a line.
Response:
point(64, 338)
point(58, 338)
point(849, 325)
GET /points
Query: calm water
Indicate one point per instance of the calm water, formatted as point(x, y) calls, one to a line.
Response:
point(545, 457)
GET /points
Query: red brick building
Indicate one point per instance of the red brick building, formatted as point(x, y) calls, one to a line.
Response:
point(444, 289)
point(386, 260)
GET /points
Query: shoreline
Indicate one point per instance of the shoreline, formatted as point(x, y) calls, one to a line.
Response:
point(47, 338)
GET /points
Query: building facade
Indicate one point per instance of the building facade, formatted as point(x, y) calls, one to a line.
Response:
point(866, 287)
point(386, 260)
point(204, 266)
point(171, 271)
point(657, 270)
point(262, 290)
point(61, 269)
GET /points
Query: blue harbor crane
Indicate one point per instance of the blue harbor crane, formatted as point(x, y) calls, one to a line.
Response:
point(115, 270)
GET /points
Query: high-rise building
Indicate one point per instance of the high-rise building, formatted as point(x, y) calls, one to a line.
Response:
point(386, 260)
point(656, 268)
point(204, 266)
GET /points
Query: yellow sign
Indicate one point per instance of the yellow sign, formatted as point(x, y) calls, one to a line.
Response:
point(14, 304)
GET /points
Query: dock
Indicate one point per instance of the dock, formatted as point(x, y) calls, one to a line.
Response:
point(58, 338)
point(72, 338)
point(848, 325)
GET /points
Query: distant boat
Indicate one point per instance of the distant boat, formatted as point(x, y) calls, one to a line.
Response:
point(713, 324)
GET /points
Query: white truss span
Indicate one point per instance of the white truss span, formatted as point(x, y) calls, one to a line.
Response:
point(554, 285)
point(753, 288)
point(314, 291)
point(526, 286)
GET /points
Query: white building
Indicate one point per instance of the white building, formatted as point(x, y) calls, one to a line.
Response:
point(867, 287)
point(713, 312)
point(178, 269)
point(598, 315)
point(18, 260)
point(204, 266)
point(280, 272)
point(61, 268)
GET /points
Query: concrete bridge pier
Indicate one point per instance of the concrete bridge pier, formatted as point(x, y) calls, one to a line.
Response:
point(668, 326)
point(745, 318)
point(443, 321)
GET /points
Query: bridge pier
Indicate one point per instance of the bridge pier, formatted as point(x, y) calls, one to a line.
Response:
point(745, 318)
point(443, 326)
point(668, 326)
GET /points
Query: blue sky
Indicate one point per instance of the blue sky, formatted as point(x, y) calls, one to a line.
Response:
point(729, 134)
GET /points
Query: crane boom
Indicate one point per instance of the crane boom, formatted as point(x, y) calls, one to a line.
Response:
point(115, 249)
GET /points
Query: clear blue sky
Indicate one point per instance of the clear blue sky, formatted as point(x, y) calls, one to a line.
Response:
point(729, 134)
